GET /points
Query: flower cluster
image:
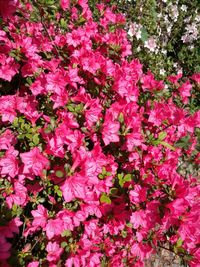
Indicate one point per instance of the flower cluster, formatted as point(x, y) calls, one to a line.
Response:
point(90, 144)
point(165, 34)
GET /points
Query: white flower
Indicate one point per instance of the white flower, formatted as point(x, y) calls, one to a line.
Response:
point(150, 44)
point(163, 51)
point(197, 18)
point(184, 8)
point(130, 32)
point(138, 34)
point(175, 12)
point(162, 72)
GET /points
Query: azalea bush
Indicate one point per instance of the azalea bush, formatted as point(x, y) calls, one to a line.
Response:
point(92, 144)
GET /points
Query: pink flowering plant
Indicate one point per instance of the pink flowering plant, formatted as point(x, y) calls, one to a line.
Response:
point(91, 145)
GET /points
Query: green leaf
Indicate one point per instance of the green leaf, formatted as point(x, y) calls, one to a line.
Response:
point(16, 122)
point(101, 176)
point(167, 145)
point(120, 177)
point(104, 171)
point(105, 199)
point(113, 191)
point(123, 233)
point(70, 108)
point(49, 2)
point(129, 225)
point(59, 193)
point(63, 244)
point(66, 233)
point(144, 35)
point(121, 117)
point(183, 142)
point(63, 23)
point(59, 174)
point(36, 139)
point(162, 136)
point(127, 177)
point(179, 243)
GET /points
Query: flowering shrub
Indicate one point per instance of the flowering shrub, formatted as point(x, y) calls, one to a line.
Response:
point(91, 145)
point(164, 34)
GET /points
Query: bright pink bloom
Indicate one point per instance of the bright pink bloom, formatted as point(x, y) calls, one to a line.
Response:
point(185, 91)
point(56, 82)
point(65, 4)
point(4, 248)
point(7, 108)
point(54, 228)
point(93, 112)
point(148, 82)
point(8, 69)
point(110, 130)
point(9, 163)
point(54, 251)
point(20, 196)
point(34, 161)
point(174, 78)
point(138, 218)
point(138, 194)
point(74, 187)
point(7, 139)
point(40, 216)
point(33, 264)
point(196, 77)
point(178, 206)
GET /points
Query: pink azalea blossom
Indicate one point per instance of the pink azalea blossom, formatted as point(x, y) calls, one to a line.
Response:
point(34, 161)
point(4, 248)
point(33, 264)
point(54, 251)
point(110, 131)
point(74, 187)
point(40, 216)
point(9, 163)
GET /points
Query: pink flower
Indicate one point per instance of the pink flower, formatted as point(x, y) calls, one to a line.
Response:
point(138, 194)
point(56, 82)
point(148, 82)
point(185, 91)
point(38, 86)
point(74, 187)
point(138, 218)
point(174, 78)
point(20, 196)
point(93, 112)
point(54, 251)
point(8, 69)
point(34, 161)
point(33, 264)
point(110, 130)
point(7, 139)
point(7, 108)
point(9, 163)
point(40, 216)
point(196, 77)
point(65, 4)
point(178, 206)
point(54, 228)
point(4, 248)
point(141, 250)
